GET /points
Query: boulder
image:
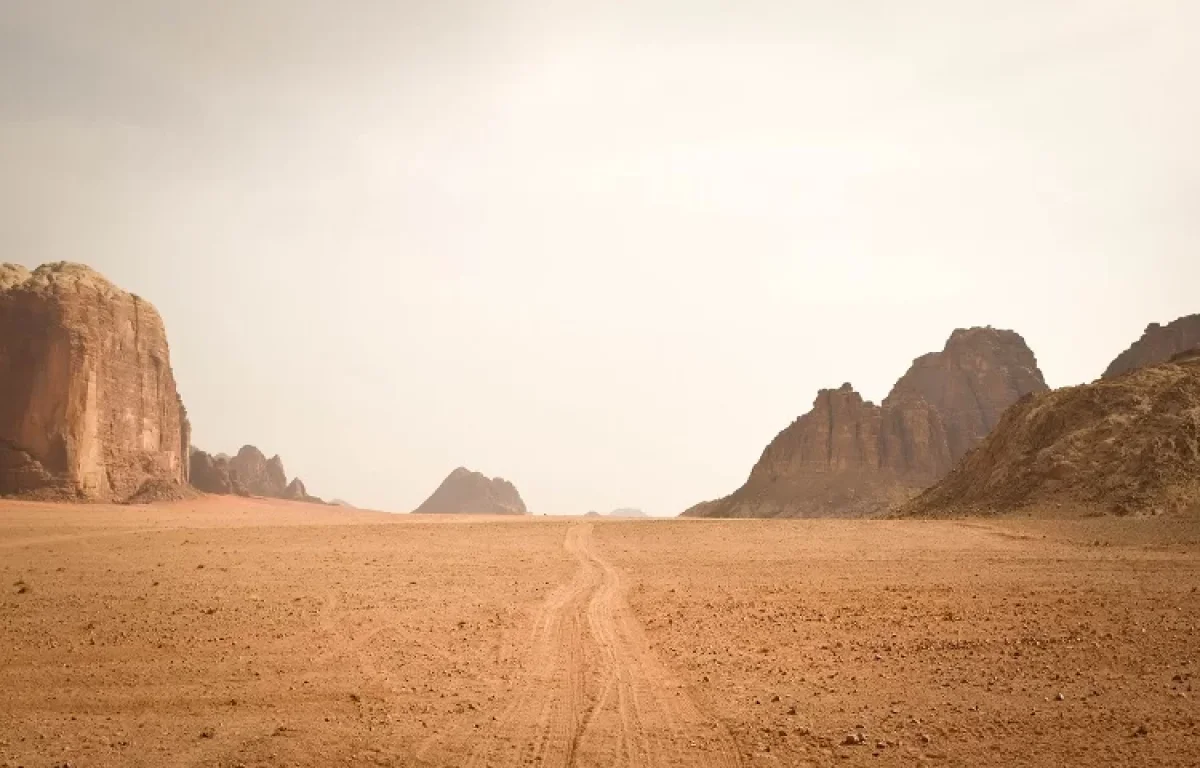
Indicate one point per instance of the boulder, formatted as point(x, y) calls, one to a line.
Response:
point(89, 408)
point(471, 493)
point(1158, 344)
point(848, 457)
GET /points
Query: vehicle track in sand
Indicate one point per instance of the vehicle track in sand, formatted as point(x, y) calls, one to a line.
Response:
point(593, 693)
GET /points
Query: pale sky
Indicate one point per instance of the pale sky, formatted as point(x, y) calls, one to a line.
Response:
point(606, 251)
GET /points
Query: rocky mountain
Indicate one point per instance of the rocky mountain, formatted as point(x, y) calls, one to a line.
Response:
point(249, 473)
point(88, 403)
point(260, 475)
point(472, 493)
point(848, 457)
point(627, 512)
point(1128, 444)
point(1158, 344)
point(212, 474)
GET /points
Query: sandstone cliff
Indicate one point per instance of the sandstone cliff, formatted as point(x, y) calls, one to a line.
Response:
point(88, 403)
point(848, 457)
point(471, 493)
point(1125, 445)
point(1158, 344)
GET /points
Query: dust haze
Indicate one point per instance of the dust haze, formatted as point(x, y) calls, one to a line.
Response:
point(604, 253)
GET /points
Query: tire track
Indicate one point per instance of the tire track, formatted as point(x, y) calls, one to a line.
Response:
point(645, 719)
point(638, 716)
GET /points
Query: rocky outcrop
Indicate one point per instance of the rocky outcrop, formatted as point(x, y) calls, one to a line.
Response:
point(249, 473)
point(471, 493)
point(627, 512)
point(1125, 445)
point(1158, 344)
point(848, 457)
point(260, 475)
point(297, 492)
point(212, 474)
point(88, 404)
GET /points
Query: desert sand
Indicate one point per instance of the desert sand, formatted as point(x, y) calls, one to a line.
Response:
point(242, 632)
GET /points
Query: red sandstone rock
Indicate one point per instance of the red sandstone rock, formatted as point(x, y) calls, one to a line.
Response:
point(471, 493)
point(1125, 445)
point(88, 403)
point(850, 458)
point(1159, 343)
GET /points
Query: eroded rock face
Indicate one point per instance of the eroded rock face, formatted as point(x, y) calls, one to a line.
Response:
point(471, 493)
point(848, 457)
point(1159, 343)
point(297, 492)
point(88, 403)
point(260, 475)
point(249, 473)
point(212, 474)
point(1124, 445)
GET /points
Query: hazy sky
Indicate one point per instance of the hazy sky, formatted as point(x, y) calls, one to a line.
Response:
point(607, 251)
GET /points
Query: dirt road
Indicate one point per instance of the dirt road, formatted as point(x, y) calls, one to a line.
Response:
point(594, 694)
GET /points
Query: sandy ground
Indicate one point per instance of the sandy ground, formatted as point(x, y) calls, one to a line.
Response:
point(228, 632)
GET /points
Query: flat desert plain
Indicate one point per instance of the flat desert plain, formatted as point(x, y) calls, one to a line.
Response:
point(249, 633)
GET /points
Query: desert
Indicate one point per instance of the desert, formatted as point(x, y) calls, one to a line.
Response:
point(601, 385)
point(251, 632)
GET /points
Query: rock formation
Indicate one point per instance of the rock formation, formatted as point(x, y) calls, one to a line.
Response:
point(627, 512)
point(212, 474)
point(260, 475)
point(848, 457)
point(1159, 343)
point(1125, 445)
point(249, 473)
point(88, 404)
point(471, 493)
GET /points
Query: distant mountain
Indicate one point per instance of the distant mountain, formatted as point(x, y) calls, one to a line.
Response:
point(471, 493)
point(627, 512)
point(848, 457)
point(249, 473)
point(1158, 344)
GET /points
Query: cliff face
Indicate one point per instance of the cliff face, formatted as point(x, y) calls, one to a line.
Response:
point(851, 458)
point(471, 493)
point(88, 402)
point(1125, 445)
point(1158, 344)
